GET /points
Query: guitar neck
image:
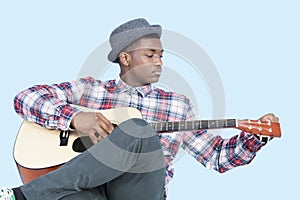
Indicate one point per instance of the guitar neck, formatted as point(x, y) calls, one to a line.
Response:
point(193, 125)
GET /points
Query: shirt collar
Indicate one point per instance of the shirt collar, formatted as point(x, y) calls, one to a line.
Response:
point(122, 87)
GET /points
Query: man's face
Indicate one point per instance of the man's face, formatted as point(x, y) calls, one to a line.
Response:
point(145, 64)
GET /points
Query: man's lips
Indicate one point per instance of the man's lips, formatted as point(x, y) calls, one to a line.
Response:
point(158, 72)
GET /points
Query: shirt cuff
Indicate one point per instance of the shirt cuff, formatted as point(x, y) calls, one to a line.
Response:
point(252, 143)
point(67, 113)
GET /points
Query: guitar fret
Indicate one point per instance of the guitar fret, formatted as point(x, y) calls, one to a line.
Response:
point(220, 123)
point(190, 125)
point(154, 126)
point(225, 124)
point(165, 126)
point(196, 125)
point(231, 123)
point(212, 124)
point(160, 127)
point(157, 127)
point(169, 125)
point(204, 124)
point(193, 125)
point(176, 126)
point(182, 126)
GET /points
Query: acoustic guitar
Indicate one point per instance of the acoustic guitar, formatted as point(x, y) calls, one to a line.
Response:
point(38, 150)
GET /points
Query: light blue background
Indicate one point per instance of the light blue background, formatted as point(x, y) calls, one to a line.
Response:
point(254, 45)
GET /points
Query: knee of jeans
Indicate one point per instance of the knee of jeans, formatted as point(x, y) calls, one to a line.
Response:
point(140, 122)
point(137, 127)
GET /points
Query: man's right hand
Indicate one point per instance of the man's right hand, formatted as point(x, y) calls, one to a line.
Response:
point(92, 124)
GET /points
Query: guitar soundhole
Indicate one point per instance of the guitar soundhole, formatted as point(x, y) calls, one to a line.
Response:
point(81, 144)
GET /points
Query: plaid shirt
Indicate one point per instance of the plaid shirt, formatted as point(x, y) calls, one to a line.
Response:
point(49, 106)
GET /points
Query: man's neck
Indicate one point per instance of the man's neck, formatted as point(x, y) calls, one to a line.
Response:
point(128, 81)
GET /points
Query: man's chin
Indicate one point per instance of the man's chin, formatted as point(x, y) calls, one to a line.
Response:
point(155, 80)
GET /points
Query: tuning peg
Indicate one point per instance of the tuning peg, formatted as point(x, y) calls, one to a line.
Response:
point(270, 130)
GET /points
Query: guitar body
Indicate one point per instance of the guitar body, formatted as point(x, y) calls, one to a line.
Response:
point(37, 150)
point(28, 174)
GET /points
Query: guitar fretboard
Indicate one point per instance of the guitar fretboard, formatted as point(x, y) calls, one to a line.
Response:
point(193, 125)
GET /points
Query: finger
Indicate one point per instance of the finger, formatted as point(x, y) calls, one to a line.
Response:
point(101, 133)
point(104, 123)
point(273, 118)
point(269, 117)
point(93, 137)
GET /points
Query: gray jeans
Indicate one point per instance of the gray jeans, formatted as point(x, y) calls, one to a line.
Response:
point(128, 164)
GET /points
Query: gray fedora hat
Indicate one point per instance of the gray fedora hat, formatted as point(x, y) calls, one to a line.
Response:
point(127, 33)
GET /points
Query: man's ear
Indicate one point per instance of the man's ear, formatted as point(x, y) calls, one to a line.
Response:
point(125, 58)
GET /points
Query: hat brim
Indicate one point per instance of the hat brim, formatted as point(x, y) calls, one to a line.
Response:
point(128, 37)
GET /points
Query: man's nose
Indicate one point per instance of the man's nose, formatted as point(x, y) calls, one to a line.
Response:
point(158, 61)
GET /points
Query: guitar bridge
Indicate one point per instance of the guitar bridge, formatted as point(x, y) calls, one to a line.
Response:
point(64, 137)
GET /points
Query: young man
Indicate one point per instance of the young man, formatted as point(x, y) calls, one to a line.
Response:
point(125, 162)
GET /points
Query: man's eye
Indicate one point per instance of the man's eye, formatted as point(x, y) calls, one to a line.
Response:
point(149, 55)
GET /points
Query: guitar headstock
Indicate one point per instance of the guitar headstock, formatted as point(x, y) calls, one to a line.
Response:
point(266, 128)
